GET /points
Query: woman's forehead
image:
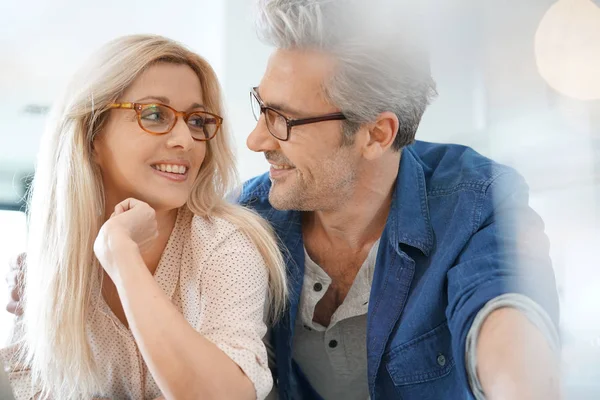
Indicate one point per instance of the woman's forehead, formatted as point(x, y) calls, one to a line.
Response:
point(177, 85)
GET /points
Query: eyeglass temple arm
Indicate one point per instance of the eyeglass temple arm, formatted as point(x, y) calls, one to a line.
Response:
point(304, 121)
point(122, 105)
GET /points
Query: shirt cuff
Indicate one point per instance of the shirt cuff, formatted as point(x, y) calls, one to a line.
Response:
point(536, 315)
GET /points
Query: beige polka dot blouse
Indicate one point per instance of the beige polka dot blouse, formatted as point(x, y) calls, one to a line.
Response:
point(217, 279)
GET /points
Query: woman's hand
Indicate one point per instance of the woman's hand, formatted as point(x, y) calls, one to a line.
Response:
point(132, 227)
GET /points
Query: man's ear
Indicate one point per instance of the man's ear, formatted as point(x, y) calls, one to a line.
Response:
point(381, 135)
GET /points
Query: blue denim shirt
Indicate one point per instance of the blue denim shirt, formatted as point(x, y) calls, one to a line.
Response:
point(459, 233)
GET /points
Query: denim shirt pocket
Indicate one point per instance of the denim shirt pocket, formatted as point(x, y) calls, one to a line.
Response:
point(424, 359)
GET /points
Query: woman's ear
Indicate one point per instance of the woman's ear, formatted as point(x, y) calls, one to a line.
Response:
point(96, 149)
point(97, 145)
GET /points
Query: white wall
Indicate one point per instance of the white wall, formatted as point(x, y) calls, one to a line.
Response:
point(244, 59)
point(43, 43)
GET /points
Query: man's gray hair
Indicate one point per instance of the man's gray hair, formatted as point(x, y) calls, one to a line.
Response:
point(382, 59)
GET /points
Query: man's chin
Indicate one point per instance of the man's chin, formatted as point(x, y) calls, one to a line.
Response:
point(282, 201)
point(279, 203)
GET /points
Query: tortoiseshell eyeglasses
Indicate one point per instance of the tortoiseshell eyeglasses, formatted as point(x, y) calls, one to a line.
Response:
point(160, 119)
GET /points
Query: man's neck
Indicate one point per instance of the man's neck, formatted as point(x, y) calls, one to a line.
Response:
point(360, 220)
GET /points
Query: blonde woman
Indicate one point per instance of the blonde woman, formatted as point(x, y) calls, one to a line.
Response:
point(141, 280)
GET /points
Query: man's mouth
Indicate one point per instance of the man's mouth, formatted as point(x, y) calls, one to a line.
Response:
point(280, 167)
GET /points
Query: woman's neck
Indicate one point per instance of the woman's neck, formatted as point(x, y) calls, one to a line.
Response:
point(166, 222)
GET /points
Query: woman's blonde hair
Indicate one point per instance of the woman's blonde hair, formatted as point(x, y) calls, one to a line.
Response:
point(67, 209)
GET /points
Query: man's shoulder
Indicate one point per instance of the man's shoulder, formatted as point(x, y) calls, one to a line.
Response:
point(451, 167)
point(254, 194)
point(255, 189)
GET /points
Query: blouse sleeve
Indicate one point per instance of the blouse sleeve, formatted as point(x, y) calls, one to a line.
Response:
point(19, 376)
point(234, 287)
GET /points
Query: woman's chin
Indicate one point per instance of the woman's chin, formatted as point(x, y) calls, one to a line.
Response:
point(162, 204)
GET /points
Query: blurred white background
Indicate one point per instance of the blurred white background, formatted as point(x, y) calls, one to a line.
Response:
point(492, 96)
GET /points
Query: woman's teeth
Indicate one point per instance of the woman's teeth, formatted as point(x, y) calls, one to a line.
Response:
point(174, 169)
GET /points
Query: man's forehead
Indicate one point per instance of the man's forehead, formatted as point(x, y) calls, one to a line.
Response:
point(299, 71)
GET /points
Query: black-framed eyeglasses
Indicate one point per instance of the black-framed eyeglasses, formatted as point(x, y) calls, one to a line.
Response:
point(279, 125)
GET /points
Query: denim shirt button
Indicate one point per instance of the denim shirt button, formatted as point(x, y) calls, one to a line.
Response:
point(441, 360)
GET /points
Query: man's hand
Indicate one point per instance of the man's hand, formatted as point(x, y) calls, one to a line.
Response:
point(14, 283)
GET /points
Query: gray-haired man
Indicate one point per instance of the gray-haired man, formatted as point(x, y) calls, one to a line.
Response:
point(418, 270)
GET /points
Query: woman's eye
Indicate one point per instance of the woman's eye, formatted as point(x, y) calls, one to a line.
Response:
point(153, 116)
point(197, 122)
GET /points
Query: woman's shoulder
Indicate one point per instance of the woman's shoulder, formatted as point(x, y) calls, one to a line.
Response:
point(218, 241)
point(213, 223)
point(212, 231)
point(214, 227)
